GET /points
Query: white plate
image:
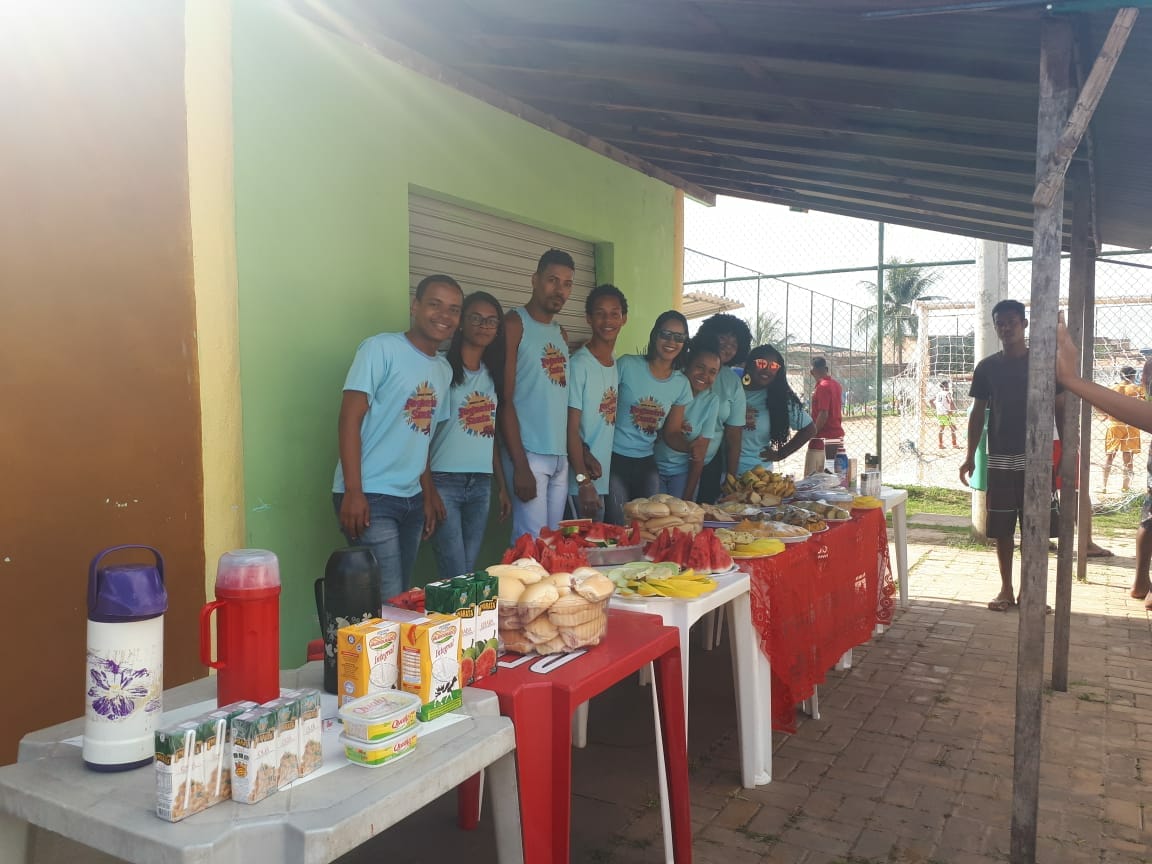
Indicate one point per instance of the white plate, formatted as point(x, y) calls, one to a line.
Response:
point(829, 519)
point(820, 530)
point(799, 538)
point(732, 569)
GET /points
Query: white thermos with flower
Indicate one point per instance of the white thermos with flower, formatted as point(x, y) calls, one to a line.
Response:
point(124, 678)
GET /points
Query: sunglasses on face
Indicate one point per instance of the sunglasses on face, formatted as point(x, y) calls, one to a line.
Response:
point(480, 321)
point(761, 363)
point(673, 336)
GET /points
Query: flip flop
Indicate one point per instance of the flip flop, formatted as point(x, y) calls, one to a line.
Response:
point(1095, 551)
point(1001, 605)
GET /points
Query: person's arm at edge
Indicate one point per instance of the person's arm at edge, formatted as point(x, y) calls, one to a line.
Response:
point(506, 410)
point(695, 469)
point(501, 484)
point(354, 508)
point(802, 437)
point(733, 440)
point(434, 512)
point(1134, 412)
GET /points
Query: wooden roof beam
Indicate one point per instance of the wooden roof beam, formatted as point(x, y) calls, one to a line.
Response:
point(1053, 180)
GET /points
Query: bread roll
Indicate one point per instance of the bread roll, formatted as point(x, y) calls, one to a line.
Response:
point(563, 583)
point(515, 640)
point(662, 498)
point(596, 587)
point(677, 507)
point(540, 629)
point(653, 510)
point(536, 599)
point(523, 574)
point(588, 633)
point(659, 524)
point(573, 609)
point(552, 646)
point(510, 589)
point(531, 564)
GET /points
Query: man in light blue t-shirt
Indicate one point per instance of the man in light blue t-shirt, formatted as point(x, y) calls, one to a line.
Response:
point(592, 393)
point(533, 411)
point(395, 394)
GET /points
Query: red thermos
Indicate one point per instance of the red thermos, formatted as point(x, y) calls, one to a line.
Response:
point(247, 608)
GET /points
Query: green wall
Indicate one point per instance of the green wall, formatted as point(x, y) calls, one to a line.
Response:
point(328, 139)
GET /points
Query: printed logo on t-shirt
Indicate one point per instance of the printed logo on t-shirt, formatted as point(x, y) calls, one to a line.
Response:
point(478, 415)
point(608, 406)
point(647, 415)
point(749, 419)
point(555, 365)
point(420, 408)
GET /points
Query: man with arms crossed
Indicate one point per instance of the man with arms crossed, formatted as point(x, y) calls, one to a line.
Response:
point(592, 391)
point(395, 394)
point(533, 410)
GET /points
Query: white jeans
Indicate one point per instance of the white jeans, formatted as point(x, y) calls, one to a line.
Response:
point(547, 508)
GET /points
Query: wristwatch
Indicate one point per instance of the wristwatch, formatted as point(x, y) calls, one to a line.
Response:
point(581, 479)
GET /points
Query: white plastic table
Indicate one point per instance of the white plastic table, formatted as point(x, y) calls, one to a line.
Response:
point(894, 501)
point(311, 823)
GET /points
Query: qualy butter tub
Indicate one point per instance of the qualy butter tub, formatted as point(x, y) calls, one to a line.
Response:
point(379, 717)
point(373, 754)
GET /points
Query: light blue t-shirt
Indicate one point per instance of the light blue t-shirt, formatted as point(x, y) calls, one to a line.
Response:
point(463, 442)
point(644, 404)
point(701, 416)
point(541, 395)
point(407, 396)
point(758, 428)
point(730, 409)
point(593, 388)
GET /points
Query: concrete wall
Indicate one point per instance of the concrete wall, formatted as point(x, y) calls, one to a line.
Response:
point(329, 139)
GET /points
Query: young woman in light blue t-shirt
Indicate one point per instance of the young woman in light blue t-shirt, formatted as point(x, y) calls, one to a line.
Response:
point(773, 412)
point(463, 458)
point(651, 401)
point(680, 470)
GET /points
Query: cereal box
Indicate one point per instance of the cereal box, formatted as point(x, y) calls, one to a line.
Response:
point(255, 755)
point(179, 774)
point(485, 589)
point(368, 659)
point(311, 753)
point(287, 710)
point(430, 663)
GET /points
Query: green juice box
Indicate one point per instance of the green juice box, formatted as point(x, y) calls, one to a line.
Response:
point(485, 590)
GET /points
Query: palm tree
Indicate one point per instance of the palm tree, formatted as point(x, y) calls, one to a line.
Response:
point(904, 283)
point(767, 329)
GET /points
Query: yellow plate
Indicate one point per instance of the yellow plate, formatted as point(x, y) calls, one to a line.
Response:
point(866, 503)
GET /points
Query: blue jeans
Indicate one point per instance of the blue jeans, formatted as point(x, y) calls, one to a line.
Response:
point(631, 477)
point(547, 508)
point(673, 484)
point(393, 534)
point(457, 539)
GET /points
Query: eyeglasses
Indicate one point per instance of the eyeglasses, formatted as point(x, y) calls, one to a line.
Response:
point(673, 336)
point(480, 321)
point(761, 363)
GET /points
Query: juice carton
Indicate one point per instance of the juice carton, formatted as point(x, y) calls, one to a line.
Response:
point(485, 589)
point(287, 710)
point(218, 755)
point(311, 752)
point(255, 757)
point(179, 774)
point(367, 658)
point(430, 663)
point(454, 597)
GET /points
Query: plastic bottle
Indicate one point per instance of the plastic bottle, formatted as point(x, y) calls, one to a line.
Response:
point(247, 610)
point(125, 667)
point(841, 465)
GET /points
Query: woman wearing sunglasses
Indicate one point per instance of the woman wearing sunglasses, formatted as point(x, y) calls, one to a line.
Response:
point(651, 402)
point(773, 412)
point(463, 457)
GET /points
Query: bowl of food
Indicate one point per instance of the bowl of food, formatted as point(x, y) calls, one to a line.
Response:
point(551, 613)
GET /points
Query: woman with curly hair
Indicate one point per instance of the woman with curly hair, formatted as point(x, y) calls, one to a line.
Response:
point(776, 425)
point(733, 338)
point(651, 400)
point(463, 460)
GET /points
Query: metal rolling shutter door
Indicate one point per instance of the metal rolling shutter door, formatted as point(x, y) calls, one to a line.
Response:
point(490, 253)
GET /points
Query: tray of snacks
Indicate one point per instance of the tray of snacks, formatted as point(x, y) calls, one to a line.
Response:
point(799, 516)
point(770, 528)
point(829, 512)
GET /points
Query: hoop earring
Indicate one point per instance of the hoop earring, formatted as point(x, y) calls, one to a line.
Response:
point(747, 379)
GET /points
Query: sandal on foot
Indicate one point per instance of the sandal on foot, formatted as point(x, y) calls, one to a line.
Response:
point(1001, 605)
point(1095, 551)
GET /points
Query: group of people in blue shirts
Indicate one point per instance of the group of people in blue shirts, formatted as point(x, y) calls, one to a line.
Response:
point(425, 438)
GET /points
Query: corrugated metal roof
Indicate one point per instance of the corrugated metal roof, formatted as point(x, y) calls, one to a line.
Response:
point(923, 121)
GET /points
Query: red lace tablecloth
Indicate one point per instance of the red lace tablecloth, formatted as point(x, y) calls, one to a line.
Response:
point(815, 600)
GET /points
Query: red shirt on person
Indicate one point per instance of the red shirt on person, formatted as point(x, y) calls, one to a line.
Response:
point(828, 396)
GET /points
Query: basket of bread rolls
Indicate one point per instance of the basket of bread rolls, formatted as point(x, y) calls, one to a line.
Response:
point(551, 613)
point(664, 511)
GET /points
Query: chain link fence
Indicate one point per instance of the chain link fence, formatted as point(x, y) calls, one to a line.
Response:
point(806, 283)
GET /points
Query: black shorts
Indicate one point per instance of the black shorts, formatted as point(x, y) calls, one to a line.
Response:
point(1005, 504)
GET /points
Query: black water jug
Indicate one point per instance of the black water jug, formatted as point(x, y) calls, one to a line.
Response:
point(348, 594)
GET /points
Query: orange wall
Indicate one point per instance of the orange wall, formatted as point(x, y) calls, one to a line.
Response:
point(99, 397)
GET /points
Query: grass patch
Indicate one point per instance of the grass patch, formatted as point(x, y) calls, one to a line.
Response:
point(1123, 521)
point(933, 499)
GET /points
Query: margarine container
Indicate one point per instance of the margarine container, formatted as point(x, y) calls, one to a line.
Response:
point(377, 753)
point(379, 716)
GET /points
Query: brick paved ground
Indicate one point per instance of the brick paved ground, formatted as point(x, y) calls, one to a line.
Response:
point(912, 759)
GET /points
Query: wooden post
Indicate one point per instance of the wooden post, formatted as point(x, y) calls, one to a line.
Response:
point(1047, 235)
point(1083, 253)
point(1087, 361)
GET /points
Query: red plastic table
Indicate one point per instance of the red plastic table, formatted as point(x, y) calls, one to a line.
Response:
point(541, 708)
